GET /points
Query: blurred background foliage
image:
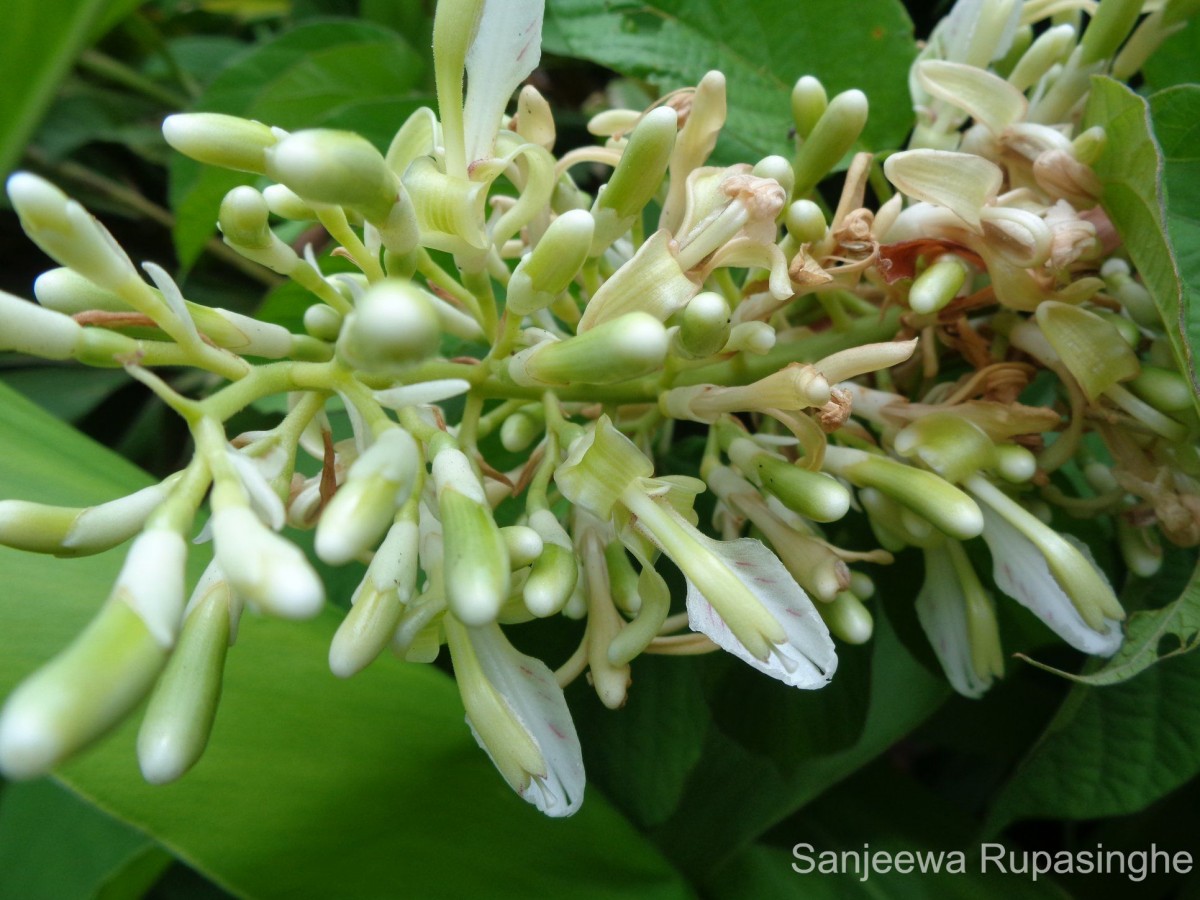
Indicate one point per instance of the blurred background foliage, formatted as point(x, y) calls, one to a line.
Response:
point(705, 781)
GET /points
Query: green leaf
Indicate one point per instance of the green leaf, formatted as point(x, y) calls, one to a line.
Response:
point(63, 392)
point(328, 74)
point(1111, 751)
point(38, 44)
point(1146, 194)
point(762, 46)
point(1177, 61)
point(643, 753)
point(735, 796)
point(54, 846)
point(311, 786)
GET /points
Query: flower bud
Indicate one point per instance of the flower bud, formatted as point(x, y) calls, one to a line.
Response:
point(182, 708)
point(751, 337)
point(338, 167)
point(524, 545)
point(380, 600)
point(555, 572)
point(1014, 463)
point(28, 328)
point(633, 345)
point(1132, 295)
point(476, 567)
point(1051, 48)
point(66, 291)
point(520, 430)
point(377, 485)
point(553, 263)
point(263, 568)
point(1164, 389)
point(831, 138)
point(394, 325)
point(220, 140)
point(813, 495)
point(805, 222)
point(809, 102)
point(848, 619)
point(636, 178)
point(69, 233)
point(323, 322)
point(535, 122)
point(704, 325)
point(938, 285)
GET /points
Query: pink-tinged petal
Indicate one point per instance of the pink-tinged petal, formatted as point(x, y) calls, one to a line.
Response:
point(531, 692)
point(1021, 572)
point(807, 658)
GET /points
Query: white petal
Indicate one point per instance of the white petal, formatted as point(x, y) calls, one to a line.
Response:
point(807, 659)
point(422, 392)
point(506, 48)
point(173, 297)
point(1021, 572)
point(960, 182)
point(532, 693)
point(263, 498)
point(942, 612)
point(983, 95)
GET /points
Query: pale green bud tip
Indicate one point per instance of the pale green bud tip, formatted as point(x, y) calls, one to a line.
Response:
point(642, 165)
point(323, 322)
point(243, 218)
point(805, 222)
point(937, 286)
point(551, 582)
point(66, 291)
point(848, 619)
point(551, 266)
point(523, 543)
point(704, 324)
point(1014, 463)
point(777, 169)
point(477, 565)
point(264, 568)
point(335, 167)
point(623, 348)
point(393, 326)
point(1164, 389)
point(519, 431)
point(28, 328)
point(220, 140)
point(809, 102)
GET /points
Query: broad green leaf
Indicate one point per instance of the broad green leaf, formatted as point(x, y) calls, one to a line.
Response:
point(1111, 751)
point(62, 391)
point(1177, 61)
point(38, 44)
point(134, 879)
point(329, 74)
point(762, 46)
point(1140, 181)
point(735, 796)
point(644, 752)
point(311, 786)
point(54, 846)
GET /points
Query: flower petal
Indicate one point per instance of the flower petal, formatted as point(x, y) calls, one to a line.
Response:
point(941, 610)
point(1021, 572)
point(532, 693)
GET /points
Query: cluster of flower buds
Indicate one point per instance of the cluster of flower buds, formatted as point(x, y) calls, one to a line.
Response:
point(837, 357)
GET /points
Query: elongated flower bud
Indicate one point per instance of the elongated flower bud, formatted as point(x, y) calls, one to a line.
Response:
point(337, 167)
point(633, 345)
point(220, 140)
point(831, 138)
point(393, 326)
point(378, 483)
point(264, 568)
point(555, 572)
point(813, 495)
point(809, 102)
point(183, 706)
point(939, 284)
point(476, 565)
point(636, 177)
point(552, 264)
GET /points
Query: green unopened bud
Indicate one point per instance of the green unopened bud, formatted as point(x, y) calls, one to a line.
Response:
point(1141, 548)
point(847, 618)
point(938, 285)
point(949, 445)
point(338, 167)
point(323, 322)
point(287, 204)
point(552, 264)
point(777, 169)
point(67, 531)
point(477, 568)
point(1127, 328)
point(220, 140)
point(555, 573)
point(697, 137)
point(636, 178)
point(524, 545)
point(380, 600)
point(263, 568)
point(1051, 48)
point(704, 325)
point(1107, 29)
point(813, 495)
point(183, 706)
point(377, 485)
point(1164, 389)
point(654, 602)
point(805, 222)
point(751, 337)
point(1014, 463)
point(1091, 348)
point(28, 328)
point(520, 430)
point(243, 218)
point(1131, 294)
point(809, 102)
point(926, 494)
point(393, 326)
point(830, 140)
point(861, 585)
point(628, 347)
point(69, 233)
point(66, 291)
